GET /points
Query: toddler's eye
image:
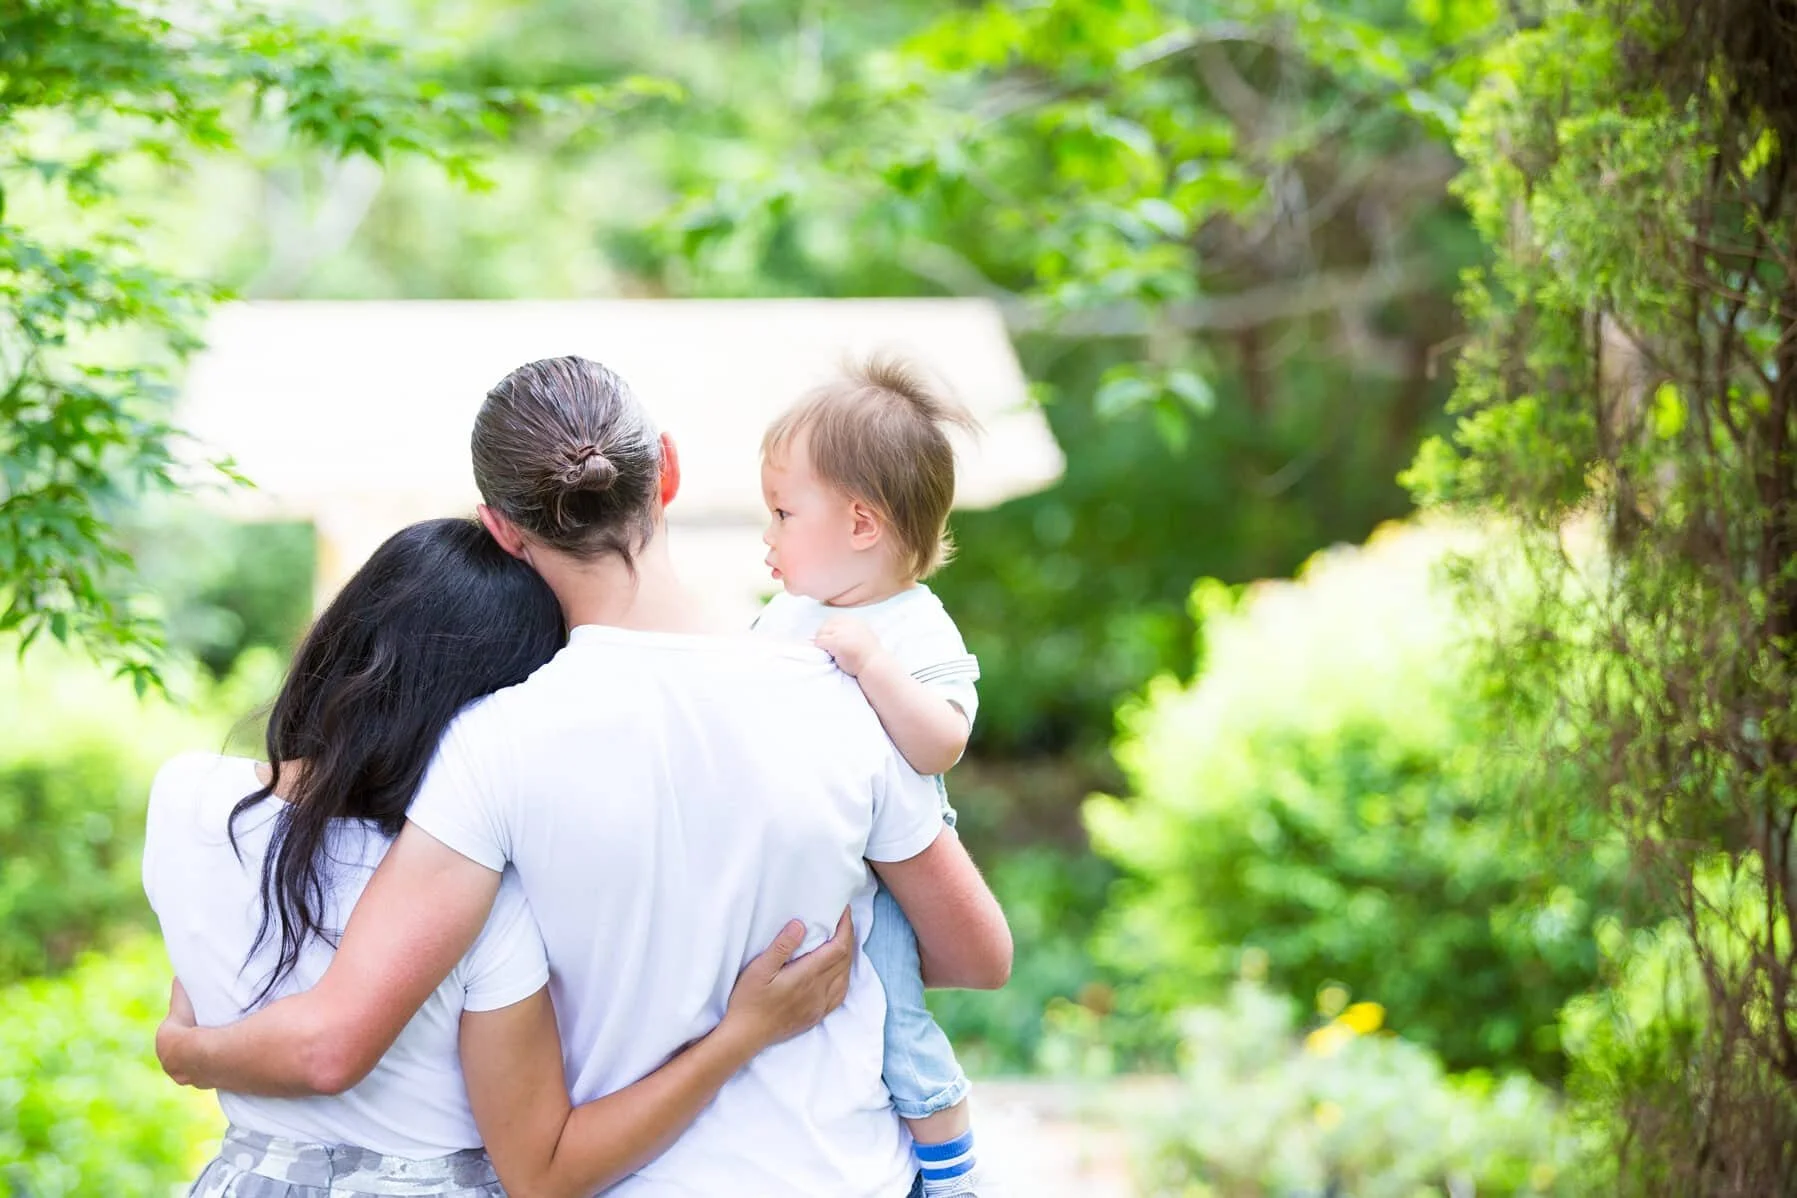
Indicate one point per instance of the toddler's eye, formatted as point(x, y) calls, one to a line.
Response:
point(781, 513)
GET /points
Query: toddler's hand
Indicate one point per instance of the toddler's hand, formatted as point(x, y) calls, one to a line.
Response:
point(852, 643)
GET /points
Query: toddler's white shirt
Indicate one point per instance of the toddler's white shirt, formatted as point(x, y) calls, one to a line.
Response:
point(912, 625)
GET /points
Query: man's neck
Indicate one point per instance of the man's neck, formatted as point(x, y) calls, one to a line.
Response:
point(606, 591)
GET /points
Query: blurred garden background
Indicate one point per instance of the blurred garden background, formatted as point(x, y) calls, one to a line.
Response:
point(1387, 729)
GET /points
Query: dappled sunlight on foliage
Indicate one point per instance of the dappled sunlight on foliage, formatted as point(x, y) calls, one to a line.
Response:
point(1319, 795)
point(1344, 1109)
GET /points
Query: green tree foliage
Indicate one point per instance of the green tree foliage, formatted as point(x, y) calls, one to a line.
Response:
point(1633, 1043)
point(1222, 236)
point(1317, 804)
point(1077, 596)
point(101, 101)
point(1628, 403)
point(1227, 258)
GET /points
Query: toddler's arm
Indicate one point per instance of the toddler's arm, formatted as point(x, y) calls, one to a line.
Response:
point(929, 730)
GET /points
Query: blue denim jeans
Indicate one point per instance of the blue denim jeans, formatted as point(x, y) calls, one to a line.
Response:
point(920, 1069)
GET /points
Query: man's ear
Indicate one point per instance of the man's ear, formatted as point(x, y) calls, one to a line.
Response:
point(865, 526)
point(670, 470)
point(509, 536)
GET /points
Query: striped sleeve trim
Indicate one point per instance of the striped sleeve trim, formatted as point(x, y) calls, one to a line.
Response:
point(955, 669)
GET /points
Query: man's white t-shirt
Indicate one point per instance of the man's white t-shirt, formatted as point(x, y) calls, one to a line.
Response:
point(414, 1103)
point(669, 803)
point(912, 625)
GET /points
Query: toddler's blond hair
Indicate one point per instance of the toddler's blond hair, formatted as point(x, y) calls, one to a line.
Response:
point(879, 434)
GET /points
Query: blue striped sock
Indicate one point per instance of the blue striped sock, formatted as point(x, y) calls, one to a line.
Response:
point(946, 1166)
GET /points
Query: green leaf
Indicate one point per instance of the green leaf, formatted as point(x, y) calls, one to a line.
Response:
point(1192, 390)
point(1122, 391)
point(1668, 412)
point(1173, 424)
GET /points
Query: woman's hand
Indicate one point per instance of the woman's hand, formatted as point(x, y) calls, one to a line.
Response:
point(512, 1061)
point(777, 997)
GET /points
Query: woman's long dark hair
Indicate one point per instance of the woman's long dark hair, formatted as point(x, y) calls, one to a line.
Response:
point(437, 618)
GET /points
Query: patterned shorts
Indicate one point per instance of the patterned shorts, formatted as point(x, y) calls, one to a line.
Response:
point(252, 1165)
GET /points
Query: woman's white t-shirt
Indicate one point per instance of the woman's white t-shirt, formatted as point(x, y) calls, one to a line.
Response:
point(415, 1103)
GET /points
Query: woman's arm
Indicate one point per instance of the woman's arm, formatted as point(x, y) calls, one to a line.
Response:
point(962, 937)
point(512, 1061)
point(422, 909)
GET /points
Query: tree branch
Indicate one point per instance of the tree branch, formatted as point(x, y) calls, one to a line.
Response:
point(1256, 306)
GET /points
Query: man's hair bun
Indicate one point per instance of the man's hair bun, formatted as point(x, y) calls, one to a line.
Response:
point(589, 470)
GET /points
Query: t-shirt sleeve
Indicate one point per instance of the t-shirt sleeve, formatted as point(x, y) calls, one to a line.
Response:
point(932, 651)
point(173, 794)
point(460, 801)
point(907, 812)
point(507, 963)
point(155, 813)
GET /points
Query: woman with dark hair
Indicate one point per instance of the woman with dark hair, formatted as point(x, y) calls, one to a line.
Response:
point(668, 791)
point(253, 869)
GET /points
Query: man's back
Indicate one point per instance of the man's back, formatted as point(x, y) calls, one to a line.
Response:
point(670, 802)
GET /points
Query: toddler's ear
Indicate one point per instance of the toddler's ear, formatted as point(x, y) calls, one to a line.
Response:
point(865, 526)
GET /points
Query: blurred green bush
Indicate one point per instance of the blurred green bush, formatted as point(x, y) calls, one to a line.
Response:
point(1051, 898)
point(84, 1109)
point(223, 587)
point(1346, 1110)
point(1320, 798)
point(75, 771)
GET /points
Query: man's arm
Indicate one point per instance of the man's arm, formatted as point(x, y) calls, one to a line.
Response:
point(419, 915)
point(962, 937)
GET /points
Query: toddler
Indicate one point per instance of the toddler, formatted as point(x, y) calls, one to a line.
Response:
point(859, 478)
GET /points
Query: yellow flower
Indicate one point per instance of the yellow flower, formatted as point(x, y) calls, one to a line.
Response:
point(1328, 1116)
point(1328, 1039)
point(1364, 1018)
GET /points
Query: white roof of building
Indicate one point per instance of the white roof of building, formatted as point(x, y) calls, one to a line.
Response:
point(356, 414)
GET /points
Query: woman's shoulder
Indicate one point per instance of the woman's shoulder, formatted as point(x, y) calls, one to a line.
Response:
point(194, 786)
point(190, 803)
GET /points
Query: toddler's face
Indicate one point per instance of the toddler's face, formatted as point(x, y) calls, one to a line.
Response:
point(809, 528)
